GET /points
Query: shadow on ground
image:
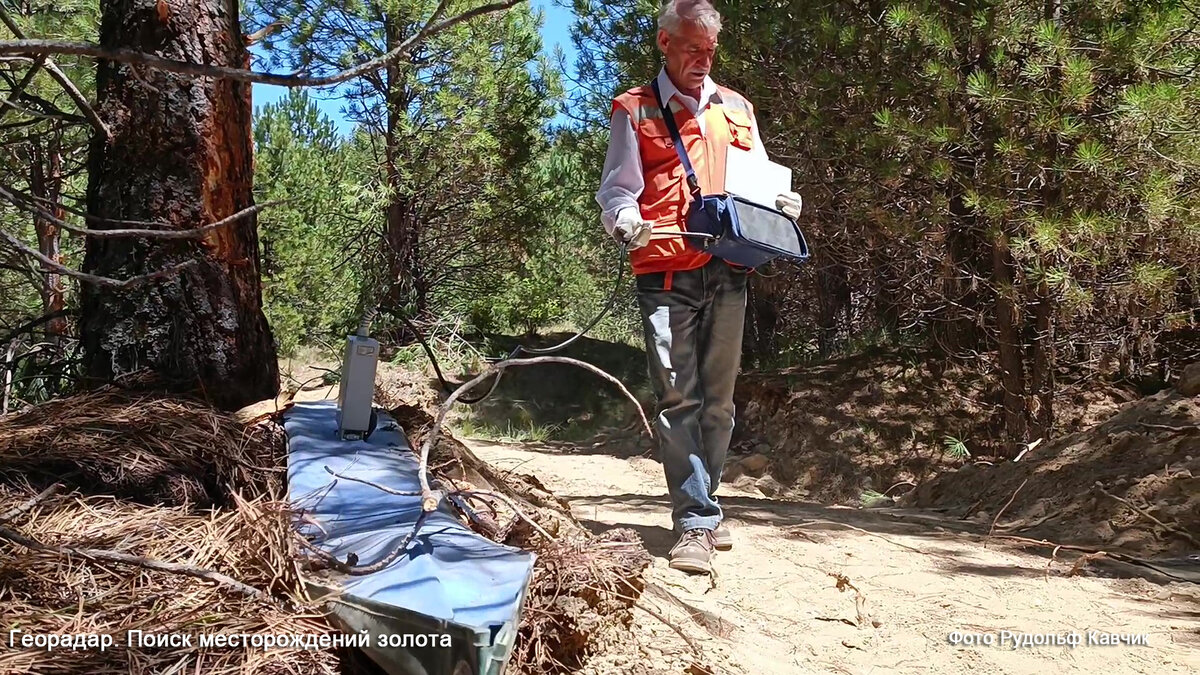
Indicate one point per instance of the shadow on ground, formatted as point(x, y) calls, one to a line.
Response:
point(949, 539)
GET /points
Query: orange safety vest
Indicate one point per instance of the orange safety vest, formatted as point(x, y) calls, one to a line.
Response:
point(665, 197)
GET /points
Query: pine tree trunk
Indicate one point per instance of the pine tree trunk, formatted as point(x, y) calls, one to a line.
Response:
point(1012, 366)
point(958, 330)
point(400, 245)
point(887, 306)
point(181, 154)
point(1041, 379)
point(833, 301)
point(762, 319)
point(45, 182)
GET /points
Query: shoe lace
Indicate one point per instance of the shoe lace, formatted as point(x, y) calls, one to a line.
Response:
point(700, 535)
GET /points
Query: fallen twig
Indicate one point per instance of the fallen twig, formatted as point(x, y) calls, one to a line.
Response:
point(660, 617)
point(872, 534)
point(860, 600)
point(377, 486)
point(351, 567)
point(1053, 557)
point(137, 561)
point(1083, 560)
point(1006, 505)
point(1027, 448)
point(1175, 529)
point(27, 506)
point(1168, 427)
point(903, 482)
point(1084, 549)
point(483, 494)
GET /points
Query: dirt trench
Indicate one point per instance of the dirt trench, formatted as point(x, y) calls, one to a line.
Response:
point(817, 589)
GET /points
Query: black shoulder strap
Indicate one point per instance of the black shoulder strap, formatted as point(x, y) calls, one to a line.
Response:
point(669, 118)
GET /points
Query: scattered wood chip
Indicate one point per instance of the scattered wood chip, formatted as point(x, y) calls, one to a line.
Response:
point(848, 622)
point(1083, 560)
point(860, 600)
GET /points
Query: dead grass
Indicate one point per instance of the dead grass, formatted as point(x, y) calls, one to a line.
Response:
point(151, 477)
point(47, 593)
point(161, 499)
point(142, 446)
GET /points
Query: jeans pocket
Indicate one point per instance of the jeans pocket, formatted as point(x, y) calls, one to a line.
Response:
point(652, 282)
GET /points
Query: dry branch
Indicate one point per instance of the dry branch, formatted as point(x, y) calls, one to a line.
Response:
point(1174, 529)
point(354, 569)
point(1006, 505)
point(92, 278)
point(62, 79)
point(20, 88)
point(127, 559)
point(128, 56)
point(28, 505)
point(191, 233)
point(431, 499)
point(485, 494)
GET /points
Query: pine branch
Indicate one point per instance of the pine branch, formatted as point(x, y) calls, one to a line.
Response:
point(193, 233)
point(91, 278)
point(61, 77)
point(129, 56)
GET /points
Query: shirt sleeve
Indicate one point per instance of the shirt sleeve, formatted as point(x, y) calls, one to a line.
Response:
point(621, 181)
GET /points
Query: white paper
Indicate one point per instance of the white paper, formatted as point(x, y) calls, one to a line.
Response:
point(755, 179)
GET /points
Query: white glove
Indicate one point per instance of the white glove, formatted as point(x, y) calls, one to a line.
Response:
point(790, 203)
point(631, 230)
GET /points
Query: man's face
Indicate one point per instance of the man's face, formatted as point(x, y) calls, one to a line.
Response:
point(689, 54)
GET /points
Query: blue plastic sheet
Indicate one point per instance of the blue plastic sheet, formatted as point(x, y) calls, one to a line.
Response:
point(469, 585)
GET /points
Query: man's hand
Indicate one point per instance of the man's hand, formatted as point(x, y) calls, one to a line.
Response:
point(790, 203)
point(631, 230)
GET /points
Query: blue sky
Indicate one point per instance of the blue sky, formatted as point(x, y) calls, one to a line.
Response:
point(556, 30)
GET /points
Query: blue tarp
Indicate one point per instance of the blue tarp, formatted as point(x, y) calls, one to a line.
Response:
point(449, 577)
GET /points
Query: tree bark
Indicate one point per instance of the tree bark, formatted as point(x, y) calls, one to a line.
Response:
point(1012, 366)
point(401, 238)
point(958, 331)
point(45, 183)
point(181, 154)
point(1041, 380)
point(833, 301)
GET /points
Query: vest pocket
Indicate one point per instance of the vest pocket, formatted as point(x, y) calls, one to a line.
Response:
point(655, 133)
point(741, 133)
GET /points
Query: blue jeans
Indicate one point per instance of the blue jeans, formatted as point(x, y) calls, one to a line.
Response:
point(693, 323)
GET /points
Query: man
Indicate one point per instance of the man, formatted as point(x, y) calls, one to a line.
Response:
point(692, 304)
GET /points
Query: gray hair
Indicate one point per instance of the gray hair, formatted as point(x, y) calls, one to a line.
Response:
point(675, 13)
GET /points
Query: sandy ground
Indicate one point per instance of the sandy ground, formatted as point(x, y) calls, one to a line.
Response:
point(775, 607)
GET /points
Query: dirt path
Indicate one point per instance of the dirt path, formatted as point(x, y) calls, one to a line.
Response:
point(776, 607)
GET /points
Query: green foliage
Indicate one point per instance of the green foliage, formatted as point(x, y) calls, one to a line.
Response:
point(42, 132)
point(953, 155)
point(309, 290)
point(473, 210)
point(956, 448)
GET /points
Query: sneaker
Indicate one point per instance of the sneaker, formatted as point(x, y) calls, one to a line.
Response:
point(693, 552)
point(722, 538)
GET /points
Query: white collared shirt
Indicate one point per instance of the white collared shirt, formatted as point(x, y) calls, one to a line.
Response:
point(621, 181)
